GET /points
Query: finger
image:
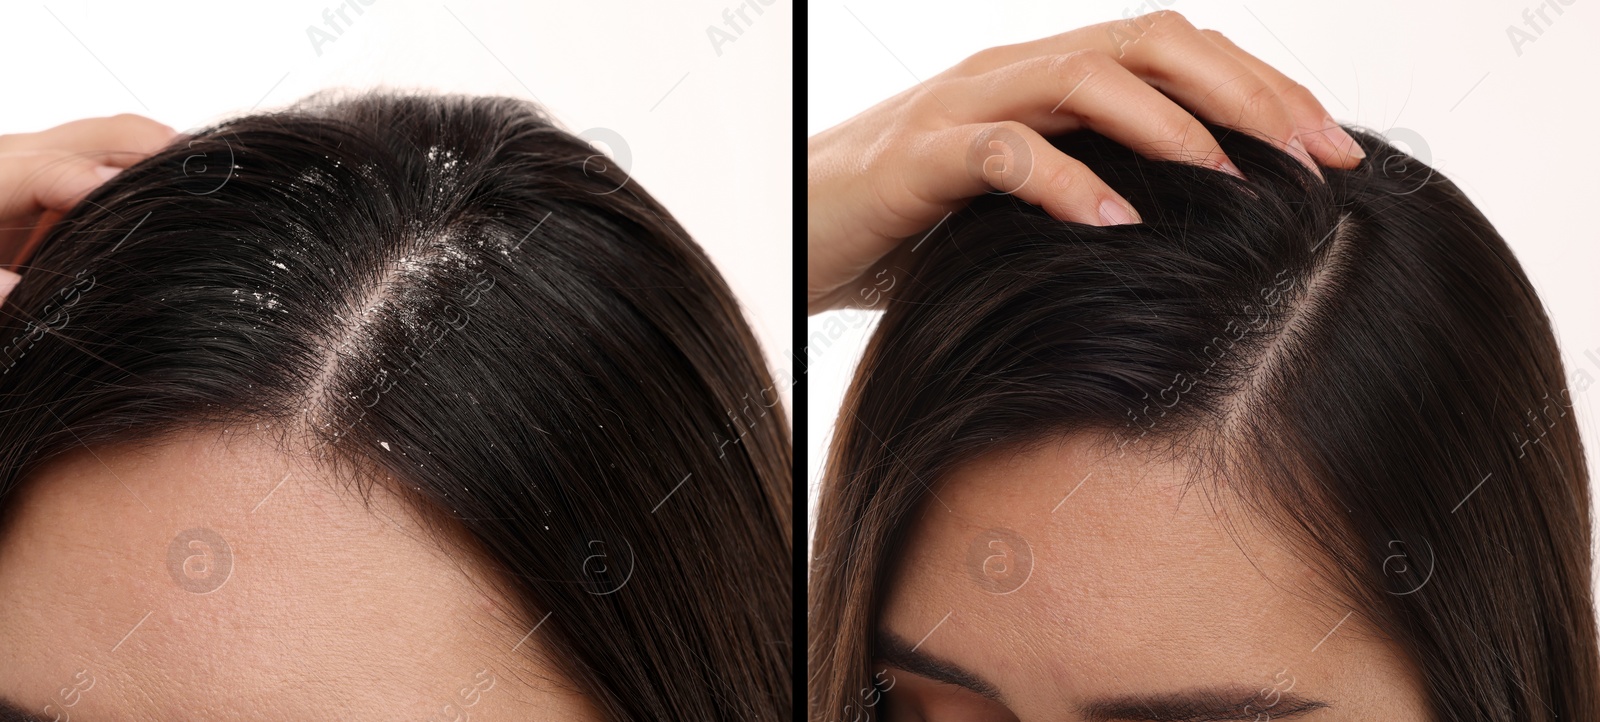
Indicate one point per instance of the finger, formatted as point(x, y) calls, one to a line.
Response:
point(1062, 93)
point(41, 227)
point(8, 281)
point(1173, 56)
point(1113, 38)
point(118, 140)
point(32, 182)
point(14, 235)
point(1010, 157)
point(1169, 53)
point(1322, 136)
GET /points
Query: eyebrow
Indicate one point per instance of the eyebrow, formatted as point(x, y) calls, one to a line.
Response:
point(897, 652)
point(12, 712)
point(1229, 703)
point(1211, 704)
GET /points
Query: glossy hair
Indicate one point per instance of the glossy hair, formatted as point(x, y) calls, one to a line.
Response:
point(1361, 360)
point(453, 297)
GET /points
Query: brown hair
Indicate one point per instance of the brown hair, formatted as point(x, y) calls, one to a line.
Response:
point(1363, 355)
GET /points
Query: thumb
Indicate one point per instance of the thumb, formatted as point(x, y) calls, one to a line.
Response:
point(33, 181)
point(8, 281)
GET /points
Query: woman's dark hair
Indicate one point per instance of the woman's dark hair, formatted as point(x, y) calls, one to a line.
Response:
point(458, 296)
point(1362, 360)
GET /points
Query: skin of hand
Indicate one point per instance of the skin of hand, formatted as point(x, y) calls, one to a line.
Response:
point(45, 174)
point(899, 168)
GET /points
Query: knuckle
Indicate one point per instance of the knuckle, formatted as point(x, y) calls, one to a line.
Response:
point(1003, 127)
point(128, 119)
point(1264, 109)
point(1177, 130)
point(1302, 95)
point(1004, 135)
point(1000, 154)
point(1075, 72)
point(921, 101)
point(1072, 69)
point(1065, 179)
point(1076, 64)
point(1259, 99)
point(981, 60)
point(1167, 23)
point(133, 125)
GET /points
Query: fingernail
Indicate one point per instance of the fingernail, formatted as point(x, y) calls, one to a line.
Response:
point(106, 172)
point(1227, 166)
point(8, 281)
point(1344, 140)
point(1299, 149)
point(1117, 213)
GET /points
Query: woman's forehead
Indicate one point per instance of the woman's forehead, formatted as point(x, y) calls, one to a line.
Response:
point(1066, 568)
point(163, 571)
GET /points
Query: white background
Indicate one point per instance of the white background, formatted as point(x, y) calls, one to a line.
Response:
point(1513, 129)
point(708, 126)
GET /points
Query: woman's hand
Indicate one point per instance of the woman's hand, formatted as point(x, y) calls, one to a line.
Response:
point(898, 169)
point(44, 174)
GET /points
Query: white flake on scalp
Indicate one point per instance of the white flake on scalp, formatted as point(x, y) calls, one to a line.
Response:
point(398, 290)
